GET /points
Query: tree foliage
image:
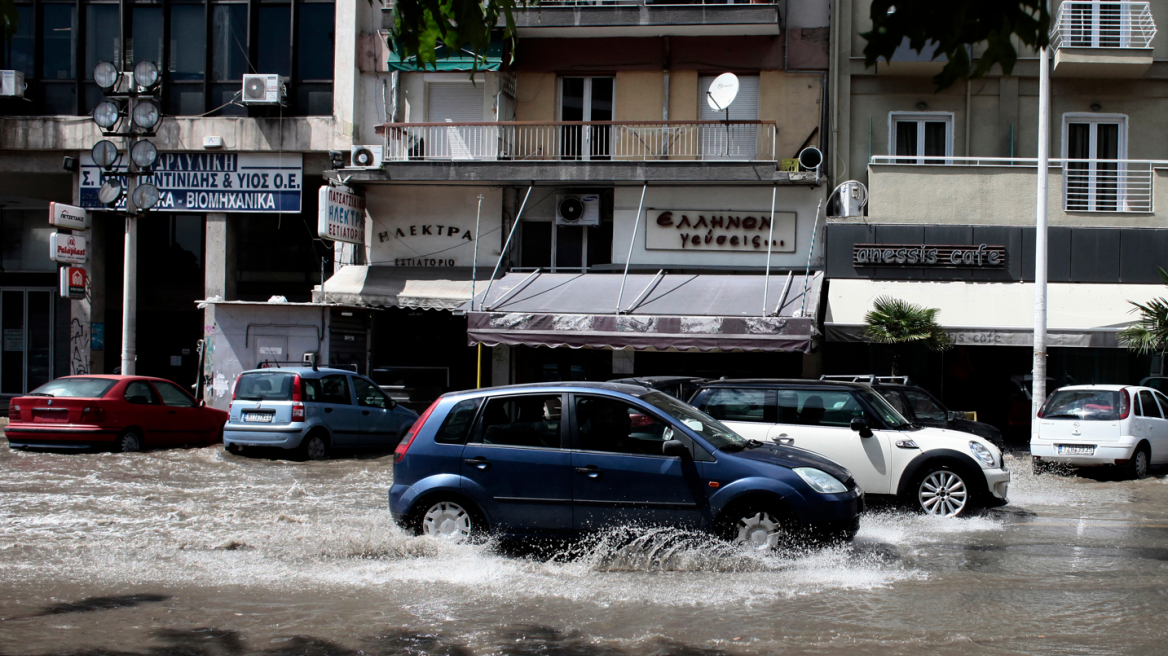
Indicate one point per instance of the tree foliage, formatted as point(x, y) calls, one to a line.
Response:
point(461, 25)
point(1149, 334)
point(893, 321)
point(955, 26)
point(11, 19)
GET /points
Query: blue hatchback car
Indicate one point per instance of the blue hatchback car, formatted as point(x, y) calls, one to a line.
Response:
point(560, 459)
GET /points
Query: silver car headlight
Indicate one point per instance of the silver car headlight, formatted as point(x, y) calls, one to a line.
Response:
point(820, 481)
point(983, 454)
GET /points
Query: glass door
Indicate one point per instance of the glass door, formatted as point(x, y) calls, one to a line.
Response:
point(1092, 174)
point(26, 339)
point(586, 99)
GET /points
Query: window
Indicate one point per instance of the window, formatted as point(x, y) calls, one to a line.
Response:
point(735, 142)
point(1096, 24)
point(924, 406)
point(1160, 398)
point(20, 51)
point(1148, 405)
point(531, 421)
point(173, 396)
point(275, 35)
point(139, 392)
point(741, 405)
point(368, 394)
point(335, 389)
point(456, 102)
point(586, 99)
point(1088, 405)
point(26, 339)
point(457, 426)
point(58, 88)
point(264, 386)
point(82, 388)
point(614, 426)
point(1092, 183)
point(894, 399)
point(913, 137)
point(818, 408)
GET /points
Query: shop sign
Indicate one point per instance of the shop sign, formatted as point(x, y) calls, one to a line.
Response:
point(341, 216)
point(68, 216)
point(72, 282)
point(980, 256)
point(97, 337)
point(719, 231)
point(67, 248)
point(209, 182)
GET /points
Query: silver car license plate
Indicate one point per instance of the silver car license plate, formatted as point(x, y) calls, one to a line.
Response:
point(259, 417)
point(1076, 450)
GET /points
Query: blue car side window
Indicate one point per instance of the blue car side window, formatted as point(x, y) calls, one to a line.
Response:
point(457, 425)
point(532, 421)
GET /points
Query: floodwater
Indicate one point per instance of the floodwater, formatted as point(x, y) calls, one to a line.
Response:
point(198, 552)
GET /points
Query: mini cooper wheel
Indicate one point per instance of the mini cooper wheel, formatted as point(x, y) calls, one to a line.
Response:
point(449, 520)
point(943, 493)
point(128, 442)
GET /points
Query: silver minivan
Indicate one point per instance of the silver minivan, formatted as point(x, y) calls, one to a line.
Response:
point(311, 412)
point(1096, 425)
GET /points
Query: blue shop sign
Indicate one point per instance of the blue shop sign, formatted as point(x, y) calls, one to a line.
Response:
point(210, 182)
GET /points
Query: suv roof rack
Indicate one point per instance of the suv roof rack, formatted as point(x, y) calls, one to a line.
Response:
point(867, 378)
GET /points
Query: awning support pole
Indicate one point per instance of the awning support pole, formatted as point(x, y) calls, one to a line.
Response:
point(506, 245)
point(645, 292)
point(474, 262)
point(783, 297)
point(479, 367)
point(632, 242)
point(766, 285)
point(514, 290)
point(807, 274)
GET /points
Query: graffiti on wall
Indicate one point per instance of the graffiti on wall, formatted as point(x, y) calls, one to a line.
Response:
point(79, 334)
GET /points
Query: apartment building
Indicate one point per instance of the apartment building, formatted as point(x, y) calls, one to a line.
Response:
point(953, 188)
point(608, 219)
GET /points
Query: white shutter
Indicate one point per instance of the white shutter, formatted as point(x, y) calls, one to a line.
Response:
point(458, 102)
point(740, 141)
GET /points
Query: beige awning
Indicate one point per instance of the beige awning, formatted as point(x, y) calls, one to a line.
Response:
point(405, 287)
point(1078, 314)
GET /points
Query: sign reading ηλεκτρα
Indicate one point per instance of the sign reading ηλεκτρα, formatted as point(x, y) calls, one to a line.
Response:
point(341, 215)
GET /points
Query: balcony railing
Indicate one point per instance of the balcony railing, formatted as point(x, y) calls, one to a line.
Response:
point(1089, 185)
point(1103, 25)
point(581, 141)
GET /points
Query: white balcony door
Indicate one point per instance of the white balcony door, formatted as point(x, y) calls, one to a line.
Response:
point(458, 102)
point(913, 137)
point(586, 99)
point(1095, 184)
point(1097, 24)
point(729, 141)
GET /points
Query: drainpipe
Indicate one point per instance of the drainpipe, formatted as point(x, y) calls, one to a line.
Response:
point(968, 118)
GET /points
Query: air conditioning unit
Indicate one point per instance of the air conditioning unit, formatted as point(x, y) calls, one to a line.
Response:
point(263, 89)
point(12, 84)
point(366, 157)
point(578, 209)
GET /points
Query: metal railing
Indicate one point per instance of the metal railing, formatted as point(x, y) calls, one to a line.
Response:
point(1089, 185)
point(1103, 25)
point(581, 141)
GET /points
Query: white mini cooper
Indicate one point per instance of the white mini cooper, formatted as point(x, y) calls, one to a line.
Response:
point(941, 472)
point(1096, 425)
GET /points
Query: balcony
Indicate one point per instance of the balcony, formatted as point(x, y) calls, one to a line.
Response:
point(1103, 39)
point(1001, 191)
point(710, 151)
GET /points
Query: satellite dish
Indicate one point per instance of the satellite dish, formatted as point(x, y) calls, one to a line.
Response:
point(722, 91)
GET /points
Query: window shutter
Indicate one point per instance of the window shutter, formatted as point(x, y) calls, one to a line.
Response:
point(460, 102)
point(744, 107)
point(741, 142)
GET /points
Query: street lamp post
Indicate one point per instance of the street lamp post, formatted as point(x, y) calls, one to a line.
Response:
point(1038, 384)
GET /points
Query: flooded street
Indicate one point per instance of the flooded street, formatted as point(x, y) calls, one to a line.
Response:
point(201, 552)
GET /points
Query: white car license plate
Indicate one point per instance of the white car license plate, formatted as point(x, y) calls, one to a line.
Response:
point(1076, 450)
point(260, 417)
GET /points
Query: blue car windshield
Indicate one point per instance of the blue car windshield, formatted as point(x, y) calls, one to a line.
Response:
point(711, 430)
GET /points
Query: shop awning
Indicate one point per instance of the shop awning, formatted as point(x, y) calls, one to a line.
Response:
point(450, 59)
point(405, 287)
point(995, 314)
point(658, 312)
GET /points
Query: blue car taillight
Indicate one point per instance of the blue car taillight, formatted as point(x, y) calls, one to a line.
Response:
point(399, 453)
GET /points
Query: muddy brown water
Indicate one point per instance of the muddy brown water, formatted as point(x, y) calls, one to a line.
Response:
point(199, 552)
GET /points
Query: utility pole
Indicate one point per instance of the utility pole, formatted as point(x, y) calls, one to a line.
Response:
point(1038, 384)
point(130, 267)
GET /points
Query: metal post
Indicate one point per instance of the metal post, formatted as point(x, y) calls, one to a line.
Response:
point(474, 263)
point(807, 274)
point(766, 285)
point(640, 207)
point(130, 267)
point(1038, 385)
point(506, 245)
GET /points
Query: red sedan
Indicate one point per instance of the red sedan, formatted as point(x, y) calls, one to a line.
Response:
point(121, 413)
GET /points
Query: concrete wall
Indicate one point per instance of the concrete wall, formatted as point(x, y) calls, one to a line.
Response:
point(538, 97)
point(756, 200)
point(403, 222)
point(794, 101)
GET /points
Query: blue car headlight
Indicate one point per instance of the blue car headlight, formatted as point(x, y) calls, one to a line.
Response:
point(820, 481)
point(983, 454)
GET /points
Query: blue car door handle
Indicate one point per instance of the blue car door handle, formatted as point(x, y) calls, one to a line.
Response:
point(480, 462)
point(328, 409)
point(591, 471)
point(365, 412)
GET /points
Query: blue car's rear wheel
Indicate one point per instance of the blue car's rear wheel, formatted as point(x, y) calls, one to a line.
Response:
point(449, 519)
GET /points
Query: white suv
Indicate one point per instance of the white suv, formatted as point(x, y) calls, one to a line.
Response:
point(941, 472)
point(1095, 425)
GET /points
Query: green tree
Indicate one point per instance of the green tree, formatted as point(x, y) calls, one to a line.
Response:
point(1149, 334)
point(461, 25)
point(896, 322)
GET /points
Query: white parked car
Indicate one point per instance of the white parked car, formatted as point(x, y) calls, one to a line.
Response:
point(1096, 425)
point(941, 472)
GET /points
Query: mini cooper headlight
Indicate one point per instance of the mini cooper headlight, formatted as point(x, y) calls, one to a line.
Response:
point(983, 454)
point(820, 481)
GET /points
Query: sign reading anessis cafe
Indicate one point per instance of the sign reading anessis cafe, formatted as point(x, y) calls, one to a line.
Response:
point(720, 231)
point(929, 256)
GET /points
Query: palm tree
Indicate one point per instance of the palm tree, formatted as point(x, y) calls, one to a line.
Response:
point(893, 321)
point(1150, 333)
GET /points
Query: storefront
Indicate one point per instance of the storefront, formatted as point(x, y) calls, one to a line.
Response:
point(981, 280)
